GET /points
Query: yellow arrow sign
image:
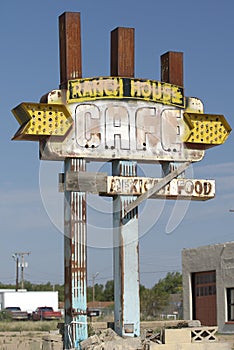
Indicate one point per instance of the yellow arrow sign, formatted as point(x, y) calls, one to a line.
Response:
point(206, 129)
point(40, 120)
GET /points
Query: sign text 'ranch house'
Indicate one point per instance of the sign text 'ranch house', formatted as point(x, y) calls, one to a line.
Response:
point(115, 87)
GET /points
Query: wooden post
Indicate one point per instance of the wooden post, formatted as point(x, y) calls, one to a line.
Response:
point(122, 52)
point(70, 47)
point(125, 232)
point(75, 305)
point(172, 68)
point(172, 73)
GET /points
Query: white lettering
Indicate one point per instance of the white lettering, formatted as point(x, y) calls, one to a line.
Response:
point(117, 128)
point(177, 187)
point(147, 127)
point(88, 126)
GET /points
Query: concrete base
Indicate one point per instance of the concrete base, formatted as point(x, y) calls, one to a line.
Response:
point(190, 335)
point(177, 336)
point(228, 328)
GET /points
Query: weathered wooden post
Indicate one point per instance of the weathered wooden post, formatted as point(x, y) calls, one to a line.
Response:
point(172, 71)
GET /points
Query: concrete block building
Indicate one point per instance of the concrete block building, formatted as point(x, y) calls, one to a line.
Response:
point(208, 285)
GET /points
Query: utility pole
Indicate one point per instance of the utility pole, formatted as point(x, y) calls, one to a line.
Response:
point(16, 258)
point(22, 264)
point(93, 284)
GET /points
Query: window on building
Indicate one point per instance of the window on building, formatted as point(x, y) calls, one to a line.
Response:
point(205, 283)
point(230, 303)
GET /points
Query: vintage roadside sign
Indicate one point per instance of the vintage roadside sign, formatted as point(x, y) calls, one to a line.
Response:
point(124, 120)
point(108, 118)
point(118, 129)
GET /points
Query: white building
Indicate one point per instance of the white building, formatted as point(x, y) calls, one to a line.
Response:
point(208, 285)
point(28, 301)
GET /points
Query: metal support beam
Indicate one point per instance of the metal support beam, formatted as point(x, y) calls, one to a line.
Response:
point(126, 259)
point(75, 328)
point(126, 255)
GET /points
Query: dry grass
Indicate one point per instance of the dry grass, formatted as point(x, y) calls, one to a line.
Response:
point(19, 326)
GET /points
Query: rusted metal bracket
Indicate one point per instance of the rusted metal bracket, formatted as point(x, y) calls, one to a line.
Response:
point(156, 188)
point(83, 181)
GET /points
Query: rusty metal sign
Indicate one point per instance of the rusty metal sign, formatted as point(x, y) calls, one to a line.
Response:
point(100, 183)
point(177, 189)
point(117, 129)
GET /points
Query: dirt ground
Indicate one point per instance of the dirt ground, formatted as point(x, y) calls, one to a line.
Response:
point(52, 341)
point(226, 338)
point(30, 341)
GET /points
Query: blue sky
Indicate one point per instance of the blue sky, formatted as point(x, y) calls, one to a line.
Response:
point(31, 209)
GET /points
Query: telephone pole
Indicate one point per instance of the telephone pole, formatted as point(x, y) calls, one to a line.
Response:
point(93, 279)
point(20, 262)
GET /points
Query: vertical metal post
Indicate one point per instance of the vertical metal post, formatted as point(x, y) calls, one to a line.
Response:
point(22, 271)
point(126, 259)
point(17, 274)
point(75, 251)
point(75, 329)
point(125, 230)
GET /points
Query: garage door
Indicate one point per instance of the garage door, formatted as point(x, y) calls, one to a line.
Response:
point(204, 297)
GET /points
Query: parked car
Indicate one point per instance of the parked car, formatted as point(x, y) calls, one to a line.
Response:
point(46, 313)
point(16, 313)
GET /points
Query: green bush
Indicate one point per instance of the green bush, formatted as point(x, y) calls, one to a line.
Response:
point(5, 316)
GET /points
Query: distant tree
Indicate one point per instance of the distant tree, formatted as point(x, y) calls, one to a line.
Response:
point(89, 293)
point(60, 289)
point(172, 283)
point(7, 286)
point(109, 291)
point(99, 292)
point(155, 299)
point(152, 301)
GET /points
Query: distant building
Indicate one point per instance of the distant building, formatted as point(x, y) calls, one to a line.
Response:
point(208, 285)
point(105, 308)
